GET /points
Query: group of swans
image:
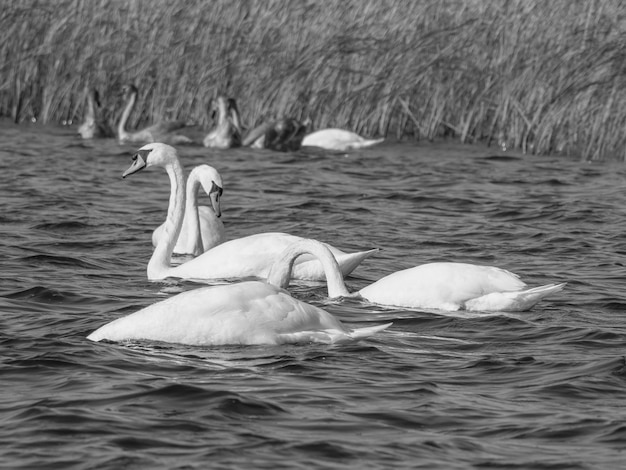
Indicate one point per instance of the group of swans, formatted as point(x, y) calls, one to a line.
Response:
point(262, 312)
point(285, 134)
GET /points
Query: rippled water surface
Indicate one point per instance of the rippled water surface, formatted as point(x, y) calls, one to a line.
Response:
point(539, 389)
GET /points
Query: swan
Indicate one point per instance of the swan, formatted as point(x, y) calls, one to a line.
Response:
point(227, 133)
point(93, 127)
point(202, 229)
point(282, 135)
point(244, 313)
point(337, 139)
point(248, 256)
point(161, 131)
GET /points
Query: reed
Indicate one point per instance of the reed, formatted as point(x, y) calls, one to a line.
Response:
point(543, 77)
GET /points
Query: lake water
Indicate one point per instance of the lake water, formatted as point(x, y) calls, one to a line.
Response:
point(543, 389)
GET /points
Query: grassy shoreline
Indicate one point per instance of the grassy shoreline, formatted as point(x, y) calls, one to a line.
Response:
point(543, 77)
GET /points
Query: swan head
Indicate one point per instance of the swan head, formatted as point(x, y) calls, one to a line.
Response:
point(151, 155)
point(211, 182)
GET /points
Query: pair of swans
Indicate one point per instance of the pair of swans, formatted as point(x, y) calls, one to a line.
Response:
point(262, 312)
point(444, 286)
point(93, 126)
point(244, 313)
point(250, 256)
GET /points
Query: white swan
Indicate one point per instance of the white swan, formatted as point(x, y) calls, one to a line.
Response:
point(282, 135)
point(242, 257)
point(162, 131)
point(252, 312)
point(202, 228)
point(456, 286)
point(337, 139)
point(227, 133)
point(93, 126)
point(443, 286)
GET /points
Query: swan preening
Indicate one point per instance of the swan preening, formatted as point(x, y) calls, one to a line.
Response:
point(94, 126)
point(202, 227)
point(250, 312)
point(338, 139)
point(227, 133)
point(283, 135)
point(250, 256)
point(162, 131)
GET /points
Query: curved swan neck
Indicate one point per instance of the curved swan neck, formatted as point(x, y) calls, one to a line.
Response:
point(121, 127)
point(159, 264)
point(280, 273)
point(192, 218)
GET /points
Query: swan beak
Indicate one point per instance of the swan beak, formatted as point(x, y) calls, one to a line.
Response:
point(138, 164)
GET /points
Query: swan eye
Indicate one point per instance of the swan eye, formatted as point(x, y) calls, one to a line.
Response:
point(143, 153)
point(216, 189)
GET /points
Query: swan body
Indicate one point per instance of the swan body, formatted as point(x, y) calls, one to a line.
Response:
point(242, 257)
point(202, 228)
point(161, 131)
point(227, 133)
point(337, 139)
point(245, 313)
point(456, 286)
point(93, 127)
point(282, 135)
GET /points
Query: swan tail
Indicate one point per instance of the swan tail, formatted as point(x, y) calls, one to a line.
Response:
point(349, 261)
point(329, 336)
point(366, 143)
point(513, 301)
point(366, 332)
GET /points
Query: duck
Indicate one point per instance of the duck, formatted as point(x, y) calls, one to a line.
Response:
point(338, 139)
point(227, 133)
point(160, 131)
point(93, 126)
point(250, 256)
point(282, 135)
point(202, 226)
point(243, 313)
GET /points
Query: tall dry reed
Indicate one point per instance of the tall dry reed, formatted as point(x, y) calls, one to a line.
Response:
point(540, 76)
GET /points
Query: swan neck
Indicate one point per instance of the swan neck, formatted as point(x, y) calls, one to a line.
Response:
point(192, 218)
point(121, 127)
point(159, 264)
point(280, 273)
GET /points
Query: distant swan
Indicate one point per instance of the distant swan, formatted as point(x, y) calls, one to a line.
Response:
point(242, 257)
point(162, 131)
point(337, 139)
point(245, 313)
point(282, 135)
point(227, 133)
point(202, 229)
point(93, 126)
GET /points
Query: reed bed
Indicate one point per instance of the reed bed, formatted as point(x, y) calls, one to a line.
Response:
point(539, 76)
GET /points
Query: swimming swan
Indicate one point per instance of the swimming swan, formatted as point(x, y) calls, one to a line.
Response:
point(242, 257)
point(161, 131)
point(93, 126)
point(202, 229)
point(445, 286)
point(227, 133)
point(337, 139)
point(282, 135)
point(245, 313)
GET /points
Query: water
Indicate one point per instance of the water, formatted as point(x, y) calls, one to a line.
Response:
point(540, 389)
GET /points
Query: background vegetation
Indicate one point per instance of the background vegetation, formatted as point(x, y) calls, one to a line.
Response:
point(541, 76)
